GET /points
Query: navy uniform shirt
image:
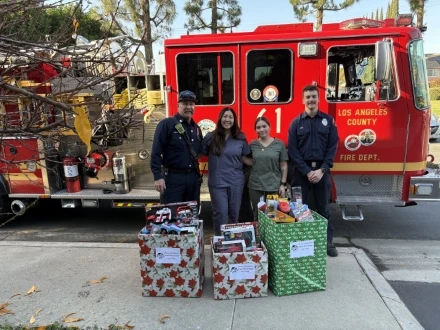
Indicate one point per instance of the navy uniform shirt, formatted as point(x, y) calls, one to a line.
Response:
point(169, 147)
point(226, 170)
point(312, 139)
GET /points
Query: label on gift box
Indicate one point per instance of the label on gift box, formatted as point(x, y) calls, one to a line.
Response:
point(241, 272)
point(302, 249)
point(168, 255)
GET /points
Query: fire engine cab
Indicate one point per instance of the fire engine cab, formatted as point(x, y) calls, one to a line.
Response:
point(371, 77)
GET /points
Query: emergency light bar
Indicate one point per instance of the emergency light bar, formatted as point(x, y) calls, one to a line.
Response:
point(404, 20)
point(360, 23)
point(308, 49)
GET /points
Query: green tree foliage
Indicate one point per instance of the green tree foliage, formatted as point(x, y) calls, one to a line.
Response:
point(152, 20)
point(393, 9)
point(223, 15)
point(41, 24)
point(387, 15)
point(304, 8)
point(381, 14)
point(377, 14)
point(418, 7)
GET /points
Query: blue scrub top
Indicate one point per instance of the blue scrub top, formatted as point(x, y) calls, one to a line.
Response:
point(226, 170)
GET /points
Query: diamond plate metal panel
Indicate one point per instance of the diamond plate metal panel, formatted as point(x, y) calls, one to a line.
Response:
point(369, 185)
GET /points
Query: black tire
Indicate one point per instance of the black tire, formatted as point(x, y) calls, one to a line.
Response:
point(5, 209)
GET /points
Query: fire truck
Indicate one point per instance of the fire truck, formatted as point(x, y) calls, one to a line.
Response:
point(119, 96)
point(371, 77)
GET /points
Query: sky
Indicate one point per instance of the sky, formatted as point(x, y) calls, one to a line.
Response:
point(280, 11)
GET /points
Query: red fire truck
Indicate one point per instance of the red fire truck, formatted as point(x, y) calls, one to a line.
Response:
point(372, 79)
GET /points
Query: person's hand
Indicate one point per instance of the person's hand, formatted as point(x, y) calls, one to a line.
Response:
point(282, 191)
point(160, 186)
point(315, 176)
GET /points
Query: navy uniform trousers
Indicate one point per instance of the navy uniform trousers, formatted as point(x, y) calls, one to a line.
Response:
point(182, 186)
point(322, 194)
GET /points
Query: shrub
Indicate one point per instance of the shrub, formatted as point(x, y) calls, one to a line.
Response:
point(434, 93)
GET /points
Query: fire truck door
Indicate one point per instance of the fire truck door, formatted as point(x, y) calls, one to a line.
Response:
point(271, 79)
point(371, 118)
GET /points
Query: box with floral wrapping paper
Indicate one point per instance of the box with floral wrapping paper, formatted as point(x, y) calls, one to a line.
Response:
point(240, 274)
point(172, 265)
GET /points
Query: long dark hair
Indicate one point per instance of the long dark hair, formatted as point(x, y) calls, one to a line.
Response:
point(219, 136)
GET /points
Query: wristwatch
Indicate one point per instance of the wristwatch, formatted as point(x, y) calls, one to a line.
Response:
point(324, 170)
point(284, 183)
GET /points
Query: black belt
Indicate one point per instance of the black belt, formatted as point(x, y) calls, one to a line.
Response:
point(180, 170)
point(314, 164)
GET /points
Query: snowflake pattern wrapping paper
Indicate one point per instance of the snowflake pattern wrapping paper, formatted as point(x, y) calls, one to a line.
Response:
point(297, 254)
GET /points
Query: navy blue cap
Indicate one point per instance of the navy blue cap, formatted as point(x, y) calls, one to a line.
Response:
point(187, 96)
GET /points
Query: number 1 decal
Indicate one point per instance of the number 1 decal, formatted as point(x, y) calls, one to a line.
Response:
point(278, 120)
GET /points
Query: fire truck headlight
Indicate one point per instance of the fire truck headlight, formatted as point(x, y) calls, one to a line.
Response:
point(31, 166)
point(423, 189)
point(308, 49)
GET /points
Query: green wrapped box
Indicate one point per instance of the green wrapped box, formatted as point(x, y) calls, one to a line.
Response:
point(297, 254)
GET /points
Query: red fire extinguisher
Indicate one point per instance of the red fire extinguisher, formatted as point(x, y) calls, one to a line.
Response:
point(70, 165)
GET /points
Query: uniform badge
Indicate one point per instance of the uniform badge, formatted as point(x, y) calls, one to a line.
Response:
point(325, 122)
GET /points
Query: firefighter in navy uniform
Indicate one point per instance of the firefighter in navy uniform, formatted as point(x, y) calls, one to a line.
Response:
point(176, 173)
point(312, 144)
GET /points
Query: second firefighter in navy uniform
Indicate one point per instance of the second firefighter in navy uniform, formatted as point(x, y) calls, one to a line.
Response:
point(176, 173)
point(312, 144)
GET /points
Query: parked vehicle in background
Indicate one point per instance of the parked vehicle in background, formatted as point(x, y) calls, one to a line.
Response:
point(435, 131)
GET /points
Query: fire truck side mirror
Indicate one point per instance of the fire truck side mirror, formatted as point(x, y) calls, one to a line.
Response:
point(383, 61)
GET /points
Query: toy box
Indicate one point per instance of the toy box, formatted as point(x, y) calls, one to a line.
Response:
point(172, 265)
point(241, 274)
point(297, 254)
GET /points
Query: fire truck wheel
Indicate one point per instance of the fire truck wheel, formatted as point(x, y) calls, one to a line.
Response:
point(5, 209)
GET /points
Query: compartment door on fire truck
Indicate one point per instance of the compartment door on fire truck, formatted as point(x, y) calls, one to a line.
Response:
point(371, 118)
point(271, 79)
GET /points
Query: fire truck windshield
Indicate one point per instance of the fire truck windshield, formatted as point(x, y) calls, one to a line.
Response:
point(350, 75)
point(419, 74)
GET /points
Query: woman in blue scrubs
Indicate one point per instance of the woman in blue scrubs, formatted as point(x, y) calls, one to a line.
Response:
point(226, 148)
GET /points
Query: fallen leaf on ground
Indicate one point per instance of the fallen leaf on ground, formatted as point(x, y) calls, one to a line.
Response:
point(128, 326)
point(65, 316)
point(15, 295)
point(68, 319)
point(32, 320)
point(5, 311)
point(33, 289)
point(42, 327)
point(97, 281)
point(73, 319)
point(38, 312)
point(163, 317)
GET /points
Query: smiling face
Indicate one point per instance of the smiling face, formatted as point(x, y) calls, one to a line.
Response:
point(311, 100)
point(262, 129)
point(227, 120)
point(186, 109)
